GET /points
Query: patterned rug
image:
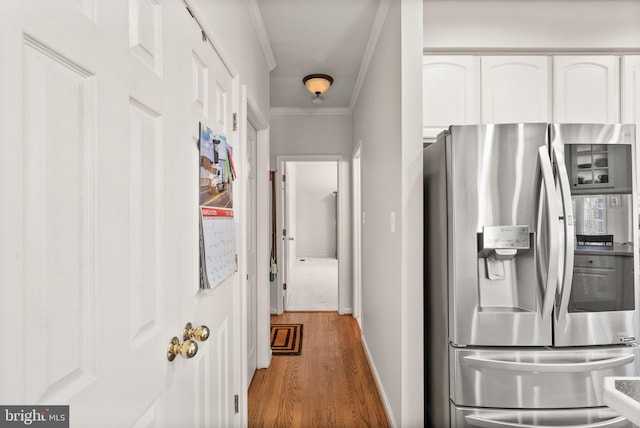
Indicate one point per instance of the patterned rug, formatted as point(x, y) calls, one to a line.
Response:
point(286, 339)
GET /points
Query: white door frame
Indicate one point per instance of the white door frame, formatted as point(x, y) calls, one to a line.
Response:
point(250, 112)
point(357, 232)
point(343, 227)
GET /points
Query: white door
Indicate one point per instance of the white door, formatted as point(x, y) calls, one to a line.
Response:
point(450, 92)
point(586, 89)
point(516, 89)
point(631, 97)
point(252, 218)
point(215, 374)
point(98, 260)
point(358, 221)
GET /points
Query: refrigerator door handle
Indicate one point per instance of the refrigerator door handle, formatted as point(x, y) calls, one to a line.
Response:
point(549, 294)
point(478, 421)
point(587, 366)
point(564, 290)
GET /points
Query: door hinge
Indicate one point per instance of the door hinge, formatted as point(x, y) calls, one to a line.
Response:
point(235, 121)
point(284, 178)
point(190, 13)
point(236, 403)
point(284, 232)
point(284, 286)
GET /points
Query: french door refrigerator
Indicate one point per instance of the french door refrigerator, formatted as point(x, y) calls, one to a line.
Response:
point(531, 273)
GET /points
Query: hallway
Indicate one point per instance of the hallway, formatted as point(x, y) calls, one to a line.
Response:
point(329, 384)
point(313, 285)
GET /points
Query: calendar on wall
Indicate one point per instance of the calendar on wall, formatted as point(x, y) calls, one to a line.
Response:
point(218, 256)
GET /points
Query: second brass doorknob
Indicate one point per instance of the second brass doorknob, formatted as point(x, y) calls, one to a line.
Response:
point(200, 333)
point(187, 349)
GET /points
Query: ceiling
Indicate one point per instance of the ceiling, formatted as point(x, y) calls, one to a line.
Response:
point(302, 37)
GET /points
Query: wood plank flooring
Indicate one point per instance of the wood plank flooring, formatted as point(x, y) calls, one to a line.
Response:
point(329, 385)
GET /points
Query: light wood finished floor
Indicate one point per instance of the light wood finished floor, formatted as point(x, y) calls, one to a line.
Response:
point(329, 385)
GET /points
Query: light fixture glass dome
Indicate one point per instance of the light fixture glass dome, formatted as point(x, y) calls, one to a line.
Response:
point(317, 84)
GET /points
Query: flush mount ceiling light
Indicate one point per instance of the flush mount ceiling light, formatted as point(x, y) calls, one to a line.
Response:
point(317, 84)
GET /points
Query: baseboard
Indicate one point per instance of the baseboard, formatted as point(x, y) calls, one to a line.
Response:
point(376, 377)
point(346, 311)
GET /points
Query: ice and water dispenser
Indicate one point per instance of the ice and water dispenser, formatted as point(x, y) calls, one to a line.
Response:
point(506, 268)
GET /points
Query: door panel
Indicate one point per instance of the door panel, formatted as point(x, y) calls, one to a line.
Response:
point(600, 285)
point(493, 182)
point(515, 89)
point(586, 89)
point(58, 95)
point(537, 378)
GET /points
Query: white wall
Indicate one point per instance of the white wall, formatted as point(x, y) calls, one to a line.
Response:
point(316, 209)
point(387, 119)
point(310, 134)
point(307, 135)
point(579, 25)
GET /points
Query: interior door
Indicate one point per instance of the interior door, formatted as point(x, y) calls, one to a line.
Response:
point(213, 375)
point(99, 255)
point(83, 138)
point(252, 302)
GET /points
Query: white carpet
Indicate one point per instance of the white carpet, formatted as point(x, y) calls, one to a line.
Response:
point(313, 285)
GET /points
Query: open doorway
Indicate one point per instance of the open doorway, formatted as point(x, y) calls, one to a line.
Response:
point(312, 206)
point(310, 213)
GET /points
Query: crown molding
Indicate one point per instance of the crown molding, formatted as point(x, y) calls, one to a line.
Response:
point(212, 39)
point(487, 51)
point(261, 32)
point(309, 111)
point(374, 35)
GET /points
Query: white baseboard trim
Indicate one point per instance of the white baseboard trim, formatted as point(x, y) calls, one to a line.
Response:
point(383, 394)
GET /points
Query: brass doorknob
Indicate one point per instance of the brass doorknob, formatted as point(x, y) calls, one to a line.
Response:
point(200, 334)
point(187, 349)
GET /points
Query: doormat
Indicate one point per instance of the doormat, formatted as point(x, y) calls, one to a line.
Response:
point(286, 339)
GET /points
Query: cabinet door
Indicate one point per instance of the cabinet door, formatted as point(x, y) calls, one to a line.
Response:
point(586, 89)
point(450, 92)
point(631, 95)
point(516, 89)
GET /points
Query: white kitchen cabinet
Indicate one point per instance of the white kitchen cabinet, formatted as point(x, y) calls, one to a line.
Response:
point(451, 92)
point(631, 97)
point(516, 89)
point(586, 89)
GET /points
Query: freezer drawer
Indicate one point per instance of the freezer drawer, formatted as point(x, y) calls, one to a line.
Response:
point(462, 417)
point(537, 378)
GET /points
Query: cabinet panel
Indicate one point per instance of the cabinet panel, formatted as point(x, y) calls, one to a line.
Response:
point(451, 92)
point(586, 89)
point(631, 96)
point(516, 89)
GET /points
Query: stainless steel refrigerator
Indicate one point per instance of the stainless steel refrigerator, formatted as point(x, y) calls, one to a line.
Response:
point(530, 273)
